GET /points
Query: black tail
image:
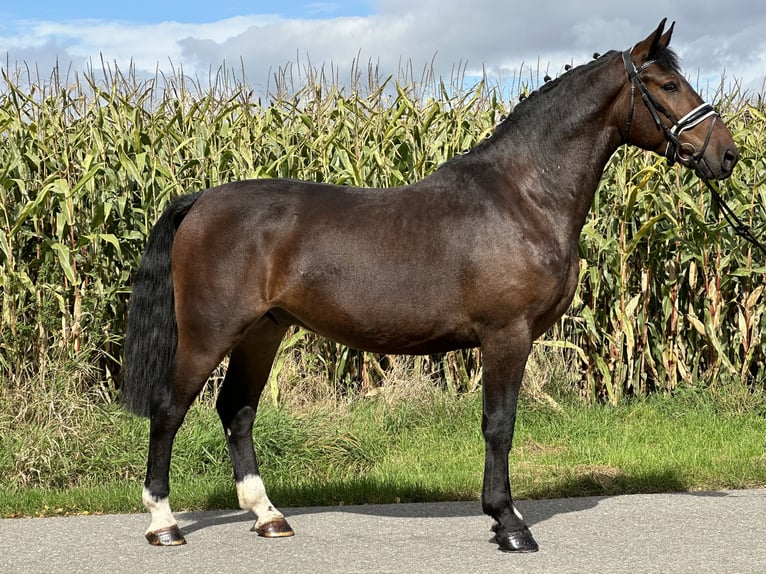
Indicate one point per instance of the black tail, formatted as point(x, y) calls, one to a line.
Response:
point(152, 335)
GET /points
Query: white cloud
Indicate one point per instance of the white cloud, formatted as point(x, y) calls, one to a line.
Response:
point(145, 45)
point(494, 34)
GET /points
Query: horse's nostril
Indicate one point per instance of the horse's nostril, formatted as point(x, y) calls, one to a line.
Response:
point(730, 159)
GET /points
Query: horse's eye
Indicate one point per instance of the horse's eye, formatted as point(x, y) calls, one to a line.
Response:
point(670, 87)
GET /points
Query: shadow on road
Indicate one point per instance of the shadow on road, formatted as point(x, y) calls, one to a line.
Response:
point(535, 511)
point(542, 505)
point(201, 520)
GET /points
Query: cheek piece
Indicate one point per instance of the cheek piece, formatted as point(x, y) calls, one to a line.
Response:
point(684, 153)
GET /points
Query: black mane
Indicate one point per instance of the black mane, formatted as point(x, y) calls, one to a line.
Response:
point(519, 110)
point(664, 57)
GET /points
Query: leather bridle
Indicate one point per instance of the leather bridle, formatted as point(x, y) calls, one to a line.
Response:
point(672, 133)
point(675, 146)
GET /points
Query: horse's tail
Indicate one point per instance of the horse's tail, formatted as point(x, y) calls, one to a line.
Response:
point(151, 337)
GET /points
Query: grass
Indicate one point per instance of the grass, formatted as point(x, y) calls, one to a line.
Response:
point(382, 451)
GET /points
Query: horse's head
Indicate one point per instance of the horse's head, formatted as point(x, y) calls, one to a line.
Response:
point(665, 114)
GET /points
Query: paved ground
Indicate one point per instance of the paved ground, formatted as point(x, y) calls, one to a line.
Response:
point(720, 532)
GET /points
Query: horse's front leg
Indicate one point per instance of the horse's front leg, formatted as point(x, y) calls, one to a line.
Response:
point(504, 359)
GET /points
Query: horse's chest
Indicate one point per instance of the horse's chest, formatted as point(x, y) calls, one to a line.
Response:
point(538, 289)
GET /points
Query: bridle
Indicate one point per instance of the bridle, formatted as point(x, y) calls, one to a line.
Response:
point(672, 133)
point(675, 146)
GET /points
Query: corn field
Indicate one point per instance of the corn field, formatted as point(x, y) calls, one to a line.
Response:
point(668, 295)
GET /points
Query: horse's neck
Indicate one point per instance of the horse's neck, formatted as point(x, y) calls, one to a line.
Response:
point(558, 149)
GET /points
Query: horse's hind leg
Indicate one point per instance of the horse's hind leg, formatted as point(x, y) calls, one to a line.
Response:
point(247, 374)
point(193, 366)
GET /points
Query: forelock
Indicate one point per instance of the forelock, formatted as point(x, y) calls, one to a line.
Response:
point(667, 59)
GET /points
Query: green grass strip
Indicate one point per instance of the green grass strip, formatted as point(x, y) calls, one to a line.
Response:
point(375, 452)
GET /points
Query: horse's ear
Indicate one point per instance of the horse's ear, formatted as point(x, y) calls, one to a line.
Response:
point(665, 40)
point(646, 48)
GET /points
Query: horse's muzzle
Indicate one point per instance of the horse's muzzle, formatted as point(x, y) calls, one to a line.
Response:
point(730, 159)
point(719, 168)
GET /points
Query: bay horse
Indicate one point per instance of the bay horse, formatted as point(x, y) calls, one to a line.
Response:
point(482, 252)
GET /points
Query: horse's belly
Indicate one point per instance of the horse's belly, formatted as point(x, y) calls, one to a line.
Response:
point(390, 329)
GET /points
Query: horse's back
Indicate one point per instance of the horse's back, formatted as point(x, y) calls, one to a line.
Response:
point(377, 269)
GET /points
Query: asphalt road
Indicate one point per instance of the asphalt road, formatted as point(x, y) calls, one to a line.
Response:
point(720, 532)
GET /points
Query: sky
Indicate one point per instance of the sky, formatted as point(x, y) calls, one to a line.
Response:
point(718, 42)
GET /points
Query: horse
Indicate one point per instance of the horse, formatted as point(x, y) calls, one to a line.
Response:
point(483, 252)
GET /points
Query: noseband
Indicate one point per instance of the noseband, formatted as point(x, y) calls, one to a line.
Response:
point(672, 133)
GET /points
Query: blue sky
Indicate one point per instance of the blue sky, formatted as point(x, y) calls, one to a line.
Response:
point(176, 10)
point(505, 39)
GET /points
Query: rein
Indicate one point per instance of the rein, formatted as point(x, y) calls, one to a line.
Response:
point(675, 147)
point(739, 226)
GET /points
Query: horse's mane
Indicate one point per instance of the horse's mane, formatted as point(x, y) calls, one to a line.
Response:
point(663, 57)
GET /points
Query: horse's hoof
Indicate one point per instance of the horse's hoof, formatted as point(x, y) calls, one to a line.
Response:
point(169, 536)
point(277, 528)
point(519, 541)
